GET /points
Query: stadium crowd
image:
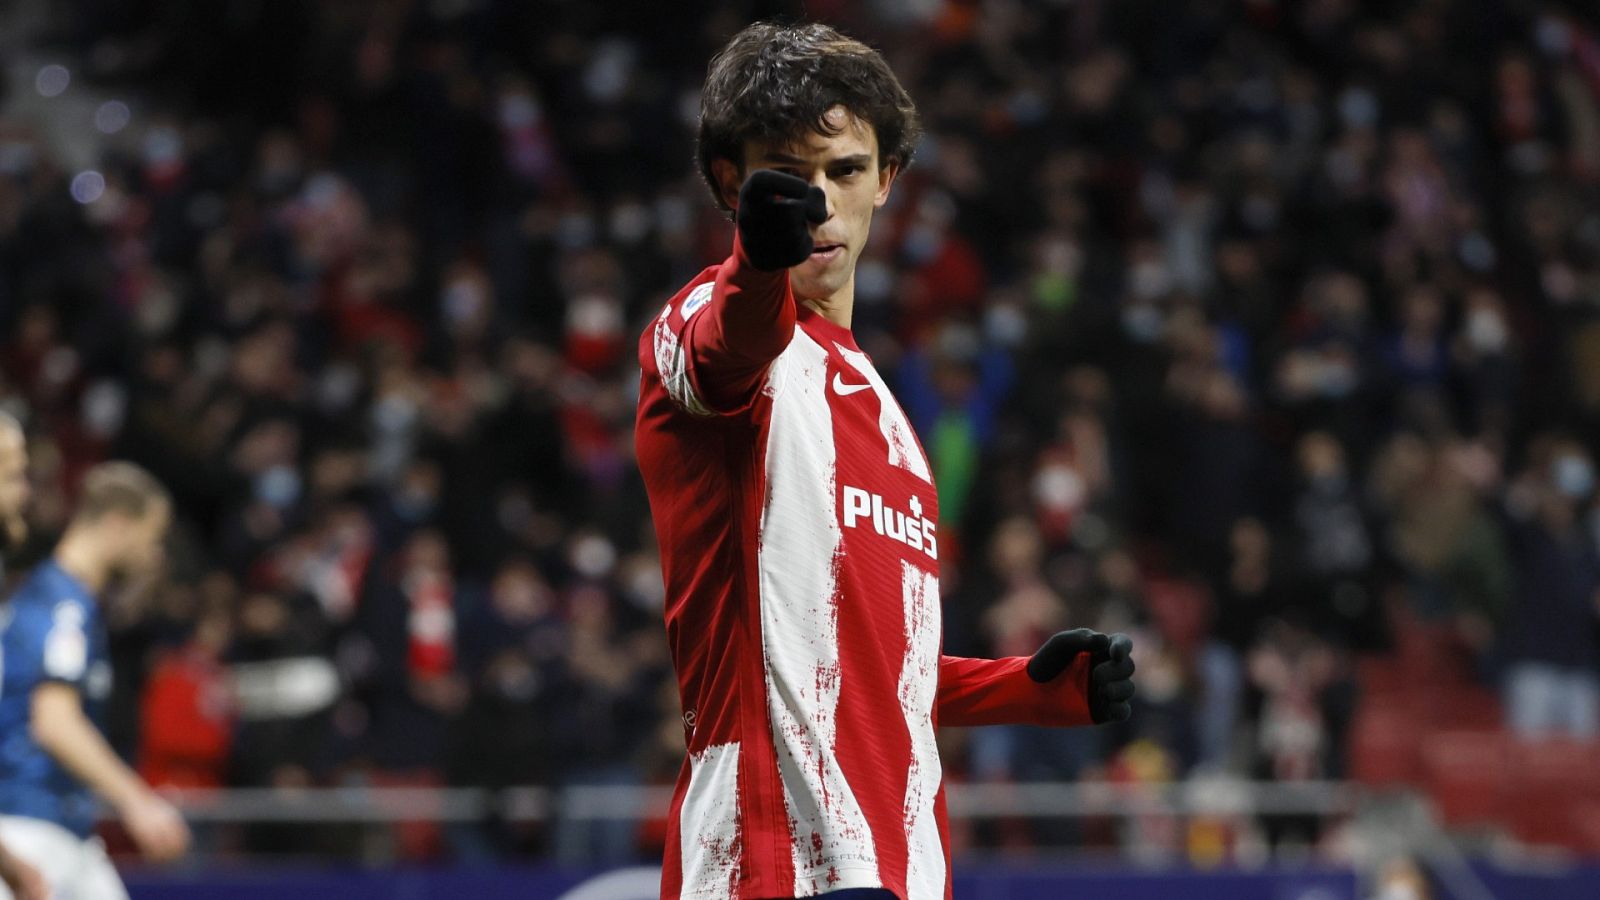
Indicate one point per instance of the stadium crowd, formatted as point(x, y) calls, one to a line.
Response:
point(1251, 328)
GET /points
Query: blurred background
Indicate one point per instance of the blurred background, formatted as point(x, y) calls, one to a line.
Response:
point(1265, 330)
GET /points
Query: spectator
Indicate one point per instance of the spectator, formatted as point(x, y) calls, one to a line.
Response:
point(1251, 308)
point(1551, 644)
point(188, 711)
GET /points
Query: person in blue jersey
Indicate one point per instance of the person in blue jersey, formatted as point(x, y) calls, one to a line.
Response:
point(55, 766)
point(22, 879)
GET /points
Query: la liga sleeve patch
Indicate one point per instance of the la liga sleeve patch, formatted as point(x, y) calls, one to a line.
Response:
point(66, 646)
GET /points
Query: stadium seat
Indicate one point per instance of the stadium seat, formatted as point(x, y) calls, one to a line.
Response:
point(1470, 707)
point(1463, 772)
point(1428, 653)
point(1380, 675)
point(1383, 743)
point(1555, 789)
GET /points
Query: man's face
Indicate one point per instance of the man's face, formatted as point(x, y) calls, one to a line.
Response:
point(14, 487)
point(143, 551)
point(846, 166)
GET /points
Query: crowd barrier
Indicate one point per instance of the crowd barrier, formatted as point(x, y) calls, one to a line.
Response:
point(987, 882)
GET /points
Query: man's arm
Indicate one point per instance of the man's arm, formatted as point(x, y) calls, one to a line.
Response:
point(60, 728)
point(1078, 677)
point(999, 692)
point(751, 314)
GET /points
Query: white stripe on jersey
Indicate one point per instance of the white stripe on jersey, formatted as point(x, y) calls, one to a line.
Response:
point(799, 538)
point(897, 433)
point(672, 362)
point(919, 678)
point(710, 854)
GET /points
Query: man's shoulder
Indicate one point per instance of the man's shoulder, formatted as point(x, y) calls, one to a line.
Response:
point(694, 296)
point(49, 586)
point(663, 336)
point(30, 599)
point(30, 615)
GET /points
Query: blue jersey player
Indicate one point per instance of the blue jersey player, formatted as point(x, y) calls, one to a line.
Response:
point(16, 874)
point(55, 766)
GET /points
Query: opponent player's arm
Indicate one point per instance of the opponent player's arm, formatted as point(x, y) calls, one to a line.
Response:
point(751, 315)
point(59, 726)
point(1078, 677)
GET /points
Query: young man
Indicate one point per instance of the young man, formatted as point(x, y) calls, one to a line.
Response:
point(797, 517)
point(53, 759)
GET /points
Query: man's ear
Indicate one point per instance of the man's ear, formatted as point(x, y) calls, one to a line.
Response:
point(886, 176)
point(728, 181)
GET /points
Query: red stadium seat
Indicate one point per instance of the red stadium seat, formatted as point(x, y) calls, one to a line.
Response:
point(1383, 744)
point(1586, 828)
point(1555, 788)
point(1464, 773)
point(1380, 675)
point(1463, 707)
point(1429, 653)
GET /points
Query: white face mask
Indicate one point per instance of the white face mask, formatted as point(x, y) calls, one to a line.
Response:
point(1149, 280)
point(464, 302)
point(1142, 322)
point(646, 589)
point(1058, 488)
point(874, 282)
point(278, 486)
point(592, 556)
point(519, 110)
point(594, 316)
point(105, 406)
point(1573, 476)
point(576, 230)
point(1005, 325)
point(1062, 256)
point(630, 222)
point(1358, 107)
point(1486, 331)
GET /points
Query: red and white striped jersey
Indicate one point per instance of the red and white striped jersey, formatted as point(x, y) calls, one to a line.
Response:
point(798, 530)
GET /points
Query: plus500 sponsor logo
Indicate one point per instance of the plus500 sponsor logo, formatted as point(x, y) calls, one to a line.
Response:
point(909, 528)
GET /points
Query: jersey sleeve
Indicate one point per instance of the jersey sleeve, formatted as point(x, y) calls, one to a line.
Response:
point(58, 644)
point(999, 692)
point(713, 347)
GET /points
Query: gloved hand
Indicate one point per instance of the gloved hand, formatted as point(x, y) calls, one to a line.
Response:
point(774, 208)
point(1110, 673)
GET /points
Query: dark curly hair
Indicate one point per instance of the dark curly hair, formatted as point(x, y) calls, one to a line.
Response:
point(773, 82)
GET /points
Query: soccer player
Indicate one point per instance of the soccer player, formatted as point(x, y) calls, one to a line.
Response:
point(797, 517)
point(23, 880)
point(53, 759)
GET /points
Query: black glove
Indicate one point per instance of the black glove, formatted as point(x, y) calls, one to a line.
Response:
point(774, 208)
point(1110, 672)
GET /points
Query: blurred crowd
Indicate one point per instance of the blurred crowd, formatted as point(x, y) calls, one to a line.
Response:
point(1251, 328)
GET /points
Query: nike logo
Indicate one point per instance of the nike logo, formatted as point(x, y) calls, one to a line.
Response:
point(845, 390)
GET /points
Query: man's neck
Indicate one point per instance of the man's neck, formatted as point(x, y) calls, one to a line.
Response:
point(836, 307)
point(80, 558)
